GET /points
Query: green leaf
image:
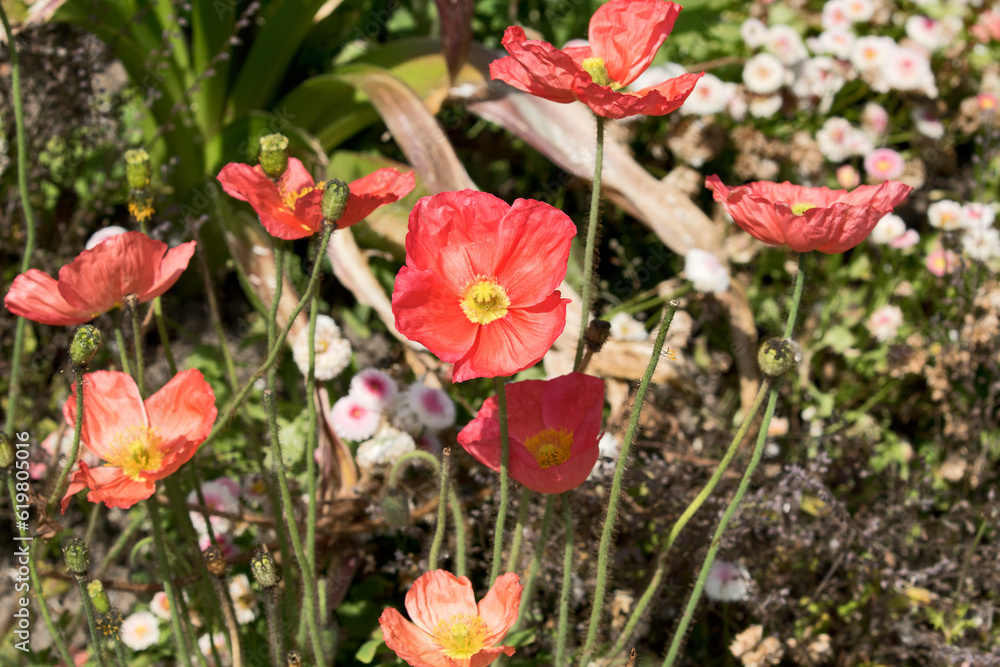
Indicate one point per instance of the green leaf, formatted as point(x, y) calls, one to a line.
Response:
point(367, 651)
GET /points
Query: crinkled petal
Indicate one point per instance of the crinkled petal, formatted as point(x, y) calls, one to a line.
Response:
point(427, 311)
point(111, 404)
point(535, 67)
point(555, 479)
point(857, 223)
point(251, 185)
point(182, 413)
point(167, 270)
point(100, 278)
point(378, 188)
point(35, 295)
point(628, 33)
point(410, 643)
point(533, 244)
point(488, 655)
point(296, 177)
point(653, 101)
point(500, 606)
point(108, 485)
point(437, 596)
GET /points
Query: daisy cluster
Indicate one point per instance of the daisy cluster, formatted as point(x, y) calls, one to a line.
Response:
point(387, 422)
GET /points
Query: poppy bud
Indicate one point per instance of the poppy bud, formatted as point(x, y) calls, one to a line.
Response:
point(86, 342)
point(215, 561)
point(274, 155)
point(6, 452)
point(137, 169)
point(95, 589)
point(396, 508)
point(335, 196)
point(293, 659)
point(77, 555)
point(265, 570)
point(596, 335)
point(597, 70)
point(777, 356)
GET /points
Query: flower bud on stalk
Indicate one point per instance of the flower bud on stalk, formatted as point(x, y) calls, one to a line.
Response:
point(335, 197)
point(77, 556)
point(265, 570)
point(109, 624)
point(95, 589)
point(596, 335)
point(86, 342)
point(293, 659)
point(274, 155)
point(396, 508)
point(215, 561)
point(777, 356)
point(137, 169)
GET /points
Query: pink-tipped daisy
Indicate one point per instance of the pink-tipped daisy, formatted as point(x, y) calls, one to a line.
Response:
point(727, 582)
point(433, 407)
point(848, 177)
point(160, 605)
point(374, 388)
point(353, 420)
point(941, 262)
point(221, 494)
point(884, 164)
point(884, 323)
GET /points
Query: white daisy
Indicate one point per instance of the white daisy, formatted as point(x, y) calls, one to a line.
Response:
point(763, 74)
point(765, 106)
point(754, 32)
point(871, 52)
point(333, 352)
point(836, 42)
point(785, 42)
point(140, 630)
point(982, 244)
point(103, 235)
point(384, 449)
point(884, 323)
point(945, 214)
point(888, 229)
point(244, 599)
point(835, 15)
point(705, 271)
point(710, 96)
point(977, 216)
point(727, 582)
point(626, 327)
point(909, 69)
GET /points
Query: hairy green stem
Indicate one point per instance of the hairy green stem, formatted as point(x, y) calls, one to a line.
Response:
point(312, 438)
point(442, 510)
point(140, 364)
point(180, 632)
point(404, 461)
point(522, 516)
point(682, 521)
point(229, 617)
point(88, 609)
point(567, 583)
point(604, 550)
point(14, 387)
point(458, 519)
point(274, 626)
point(161, 330)
point(536, 565)
point(61, 482)
point(501, 384)
point(122, 350)
point(593, 224)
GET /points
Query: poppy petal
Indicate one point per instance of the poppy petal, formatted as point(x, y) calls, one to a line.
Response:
point(626, 34)
point(488, 655)
point(378, 188)
point(411, 644)
point(535, 67)
point(437, 596)
point(35, 295)
point(111, 405)
point(500, 606)
point(427, 311)
point(532, 237)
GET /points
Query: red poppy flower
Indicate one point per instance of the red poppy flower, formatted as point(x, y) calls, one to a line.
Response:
point(448, 628)
point(141, 441)
point(99, 279)
point(624, 37)
point(290, 208)
point(554, 428)
point(805, 219)
point(479, 285)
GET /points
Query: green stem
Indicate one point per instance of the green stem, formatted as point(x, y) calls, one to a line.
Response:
point(793, 309)
point(272, 313)
point(120, 653)
point(442, 510)
point(229, 618)
point(180, 634)
point(593, 224)
point(522, 516)
point(661, 559)
point(681, 632)
point(965, 569)
point(88, 608)
point(36, 581)
point(567, 584)
point(120, 544)
point(536, 565)
point(122, 350)
point(161, 329)
point(459, 520)
point(14, 389)
point(140, 364)
point(61, 482)
point(604, 551)
point(501, 384)
point(213, 311)
point(404, 461)
point(274, 626)
point(288, 510)
point(312, 438)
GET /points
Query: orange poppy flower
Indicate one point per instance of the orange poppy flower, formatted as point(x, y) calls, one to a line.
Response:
point(290, 208)
point(624, 36)
point(804, 218)
point(99, 279)
point(448, 628)
point(142, 441)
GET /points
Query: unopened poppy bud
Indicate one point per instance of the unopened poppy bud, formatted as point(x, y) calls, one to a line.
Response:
point(86, 342)
point(140, 204)
point(109, 625)
point(76, 553)
point(215, 561)
point(596, 335)
point(137, 169)
point(293, 659)
point(6, 452)
point(95, 589)
point(335, 196)
point(274, 155)
point(597, 70)
point(777, 356)
point(265, 570)
point(396, 508)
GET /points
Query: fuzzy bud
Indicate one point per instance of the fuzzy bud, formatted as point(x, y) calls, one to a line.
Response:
point(215, 561)
point(265, 570)
point(86, 342)
point(274, 155)
point(6, 452)
point(777, 356)
point(109, 624)
point(137, 169)
point(596, 335)
point(335, 196)
point(396, 508)
point(77, 555)
point(293, 659)
point(95, 589)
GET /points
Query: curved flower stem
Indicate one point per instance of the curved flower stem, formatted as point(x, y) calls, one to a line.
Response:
point(593, 224)
point(308, 581)
point(140, 364)
point(536, 565)
point(14, 388)
point(793, 309)
point(442, 510)
point(120, 653)
point(122, 350)
point(567, 583)
point(675, 531)
point(522, 516)
point(274, 625)
point(403, 461)
point(61, 483)
point(180, 633)
point(501, 384)
point(458, 518)
point(88, 608)
point(312, 438)
point(36, 581)
point(699, 585)
point(604, 551)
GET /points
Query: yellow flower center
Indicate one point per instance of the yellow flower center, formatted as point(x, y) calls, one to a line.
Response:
point(484, 300)
point(135, 450)
point(461, 636)
point(550, 447)
point(291, 197)
point(140, 210)
point(798, 208)
point(598, 71)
